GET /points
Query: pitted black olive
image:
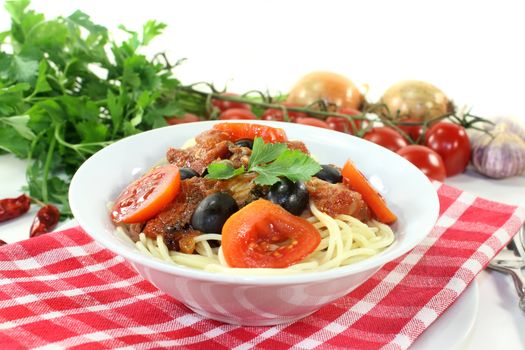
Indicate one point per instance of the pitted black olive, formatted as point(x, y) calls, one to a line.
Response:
point(244, 143)
point(291, 196)
point(330, 174)
point(212, 212)
point(187, 173)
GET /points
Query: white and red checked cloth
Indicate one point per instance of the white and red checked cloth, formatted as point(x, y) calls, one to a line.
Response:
point(63, 290)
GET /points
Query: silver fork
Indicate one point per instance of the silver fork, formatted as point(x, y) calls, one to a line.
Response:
point(510, 260)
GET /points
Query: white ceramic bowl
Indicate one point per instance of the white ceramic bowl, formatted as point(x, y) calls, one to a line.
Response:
point(250, 300)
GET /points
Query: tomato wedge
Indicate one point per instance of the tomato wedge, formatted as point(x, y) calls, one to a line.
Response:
point(239, 131)
point(147, 196)
point(358, 182)
point(263, 234)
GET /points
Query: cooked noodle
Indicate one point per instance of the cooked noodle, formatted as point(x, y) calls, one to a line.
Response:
point(344, 240)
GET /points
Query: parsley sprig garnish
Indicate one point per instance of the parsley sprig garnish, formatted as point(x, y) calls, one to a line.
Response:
point(270, 161)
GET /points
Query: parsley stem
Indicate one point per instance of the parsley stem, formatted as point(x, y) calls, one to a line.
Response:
point(101, 103)
point(33, 145)
point(47, 166)
point(79, 147)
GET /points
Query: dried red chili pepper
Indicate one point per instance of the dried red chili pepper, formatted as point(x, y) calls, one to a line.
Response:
point(11, 208)
point(45, 220)
point(2, 242)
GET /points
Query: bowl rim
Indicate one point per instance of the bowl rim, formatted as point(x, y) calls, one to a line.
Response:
point(137, 257)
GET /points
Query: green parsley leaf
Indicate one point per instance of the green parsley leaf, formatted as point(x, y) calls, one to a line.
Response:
point(5, 66)
point(19, 123)
point(84, 21)
point(151, 29)
point(41, 82)
point(265, 152)
point(11, 99)
point(11, 141)
point(23, 69)
point(223, 171)
point(50, 36)
point(293, 164)
point(91, 131)
point(16, 9)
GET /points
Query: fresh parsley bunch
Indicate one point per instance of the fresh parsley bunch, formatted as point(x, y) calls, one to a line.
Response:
point(67, 90)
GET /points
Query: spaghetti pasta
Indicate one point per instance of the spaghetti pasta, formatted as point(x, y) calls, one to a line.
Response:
point(344, 240)
point(259, 220)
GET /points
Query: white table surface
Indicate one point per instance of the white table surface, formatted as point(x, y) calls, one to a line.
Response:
point(470, 49)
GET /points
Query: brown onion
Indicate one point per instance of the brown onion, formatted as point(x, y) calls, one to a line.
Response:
point(415, 99)
point(328, 86)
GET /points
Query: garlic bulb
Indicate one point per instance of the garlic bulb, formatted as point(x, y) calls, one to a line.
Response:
point(513, 125)
point(500, 155)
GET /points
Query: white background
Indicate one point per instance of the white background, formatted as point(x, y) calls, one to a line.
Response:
point(473, 50)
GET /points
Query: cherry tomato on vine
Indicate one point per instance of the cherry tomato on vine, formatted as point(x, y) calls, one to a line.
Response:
point(451, 142)
point(224, 105)
point(428, 161)
point(414, 131)
point(342, 124)
point(147, 196)
point(263, 234)
point(328, 86)
point(386, 137)
point(239, 131)
point(278, 114)
point(186, 118)
point(339, 124)
point(313, 122)
point(237, 113)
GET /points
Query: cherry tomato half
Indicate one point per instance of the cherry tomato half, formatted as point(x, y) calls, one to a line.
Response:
point(186, 118)
point(355, 179)
point(240, 131)
point(224, 105)
point(313, 122)
point(147, 196)
point(263, 234)
point(428, 161)
point(278, 114)
point(386, 137)
point(237, 113)
point(451, 142)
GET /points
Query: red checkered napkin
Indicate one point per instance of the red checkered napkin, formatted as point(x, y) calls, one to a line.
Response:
point(63, 290)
